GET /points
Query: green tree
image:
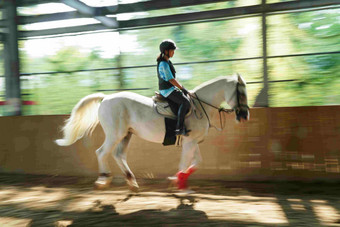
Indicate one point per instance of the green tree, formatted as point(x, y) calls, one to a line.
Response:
point(317, 75)
point(58, 93)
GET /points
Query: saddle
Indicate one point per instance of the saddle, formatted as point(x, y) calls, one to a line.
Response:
point(168, 109)
point(165, 107)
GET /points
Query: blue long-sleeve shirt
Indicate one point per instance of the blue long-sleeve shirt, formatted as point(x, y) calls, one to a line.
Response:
point(166, 74)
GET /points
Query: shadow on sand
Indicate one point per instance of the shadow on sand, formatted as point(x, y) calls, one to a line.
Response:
point(297, 201)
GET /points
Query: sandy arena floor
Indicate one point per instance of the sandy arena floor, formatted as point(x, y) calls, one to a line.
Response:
point(27, 200)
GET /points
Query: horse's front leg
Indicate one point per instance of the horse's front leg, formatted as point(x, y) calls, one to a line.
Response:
point(190, 159)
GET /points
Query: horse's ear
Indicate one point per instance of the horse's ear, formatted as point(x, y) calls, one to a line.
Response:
point(240, 79)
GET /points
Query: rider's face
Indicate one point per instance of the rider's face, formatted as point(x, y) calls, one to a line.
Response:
point(171, 53)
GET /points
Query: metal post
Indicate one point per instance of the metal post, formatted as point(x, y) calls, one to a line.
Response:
point(265, 101)
point(120, 58)
point(262, 98)
point(120, 65)
point(11, 52)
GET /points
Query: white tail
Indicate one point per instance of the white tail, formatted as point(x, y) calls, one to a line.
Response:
point(83, 119)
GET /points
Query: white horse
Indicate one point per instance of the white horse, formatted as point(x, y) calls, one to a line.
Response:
point(125, 113)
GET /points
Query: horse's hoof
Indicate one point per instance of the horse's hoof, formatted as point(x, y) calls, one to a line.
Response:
point(172, 178)
point(172, 182)
point(186, 191)
point(133, 186)
point(98, 185)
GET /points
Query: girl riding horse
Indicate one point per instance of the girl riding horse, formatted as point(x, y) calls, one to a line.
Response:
point(169, 87)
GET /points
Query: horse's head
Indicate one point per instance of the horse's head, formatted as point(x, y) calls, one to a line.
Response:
point(239, 101)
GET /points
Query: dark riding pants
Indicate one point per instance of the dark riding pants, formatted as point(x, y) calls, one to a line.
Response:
point(184, 105)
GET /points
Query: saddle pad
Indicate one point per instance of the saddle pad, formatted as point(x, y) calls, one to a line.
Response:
point(163, 108)
point(167, 109)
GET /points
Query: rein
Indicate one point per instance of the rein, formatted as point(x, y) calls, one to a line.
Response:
point(220, 109)
point(237, 109)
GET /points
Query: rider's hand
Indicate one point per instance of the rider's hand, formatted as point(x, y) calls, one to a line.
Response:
point(185, 91)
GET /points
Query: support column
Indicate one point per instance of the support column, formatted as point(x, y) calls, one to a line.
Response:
point(262, 98)
point(119, 66)
point(11, 56)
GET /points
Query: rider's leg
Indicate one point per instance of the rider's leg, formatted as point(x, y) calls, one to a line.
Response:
point(184, 105)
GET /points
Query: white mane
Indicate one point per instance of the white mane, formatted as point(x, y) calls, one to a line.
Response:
point(215, 80)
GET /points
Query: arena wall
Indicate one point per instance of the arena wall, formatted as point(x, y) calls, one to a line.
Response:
point(297, 143)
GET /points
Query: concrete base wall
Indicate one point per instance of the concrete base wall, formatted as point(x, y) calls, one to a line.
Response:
point(301, 143)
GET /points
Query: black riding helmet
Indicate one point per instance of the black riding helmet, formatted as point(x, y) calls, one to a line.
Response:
point(167, 44)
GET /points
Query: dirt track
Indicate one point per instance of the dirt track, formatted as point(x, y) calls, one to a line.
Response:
point(69, 201)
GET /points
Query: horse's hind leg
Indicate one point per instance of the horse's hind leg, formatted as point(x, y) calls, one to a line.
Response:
point(119, 155)
point(103, 152)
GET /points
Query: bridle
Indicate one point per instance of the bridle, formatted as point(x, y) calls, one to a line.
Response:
point(237, 108)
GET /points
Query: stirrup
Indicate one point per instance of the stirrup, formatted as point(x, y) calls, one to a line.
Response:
point(182, 132)
point(178, 142)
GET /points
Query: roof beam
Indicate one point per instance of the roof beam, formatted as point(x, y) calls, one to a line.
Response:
point(133, 7)
point(229, 12)
point(50, 17)
point(161, 4)
point(25, 3)
point(186, 17)
point(299, 4)
point(90, 11)
point(123, 8)
point(66, 30)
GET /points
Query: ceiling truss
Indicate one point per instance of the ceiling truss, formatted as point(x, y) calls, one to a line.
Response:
point(86, 10)
point(107, 20)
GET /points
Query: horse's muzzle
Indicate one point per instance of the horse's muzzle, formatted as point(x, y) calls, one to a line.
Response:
point(242, 115)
